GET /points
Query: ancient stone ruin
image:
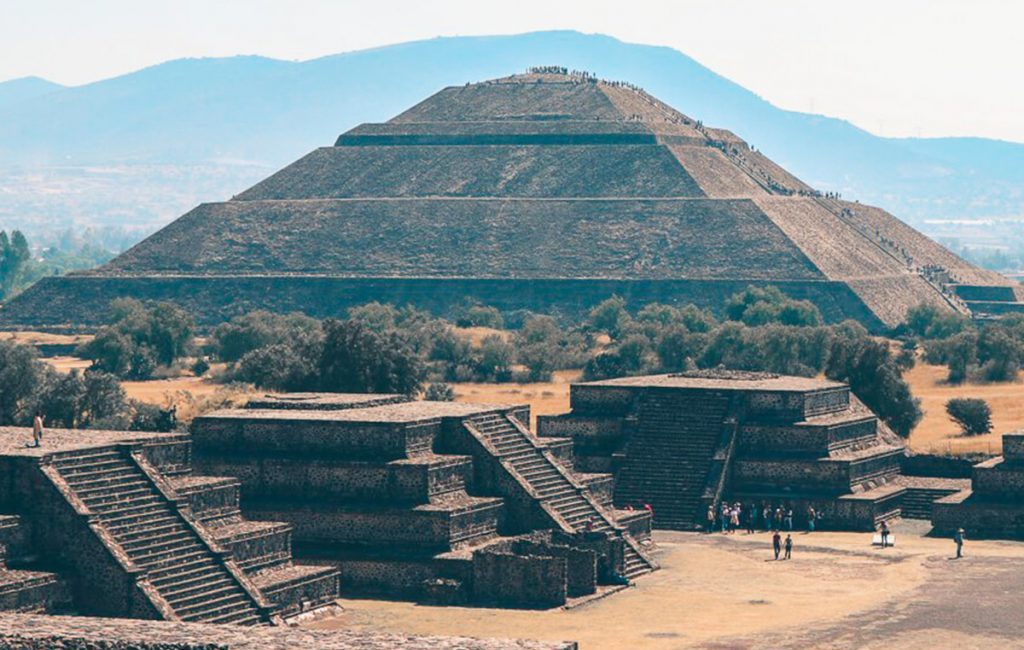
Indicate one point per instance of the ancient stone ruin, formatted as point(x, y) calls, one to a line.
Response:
point(994, 504)
point(548, 191)
point(125, 528)
point(435, 501)
point(682, 442)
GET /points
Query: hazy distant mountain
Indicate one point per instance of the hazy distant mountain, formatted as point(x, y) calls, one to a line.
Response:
point(264, 113)
point(18, 90)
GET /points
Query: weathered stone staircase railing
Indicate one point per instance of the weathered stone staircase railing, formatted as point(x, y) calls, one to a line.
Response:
point(137, 515)
point(568, 504)
point(721, 462)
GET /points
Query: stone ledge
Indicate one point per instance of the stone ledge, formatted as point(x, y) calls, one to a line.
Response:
point(30, 632)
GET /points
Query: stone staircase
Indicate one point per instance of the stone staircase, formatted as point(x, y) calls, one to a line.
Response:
point(669, 454)
point(189, 574)
point(517, 448)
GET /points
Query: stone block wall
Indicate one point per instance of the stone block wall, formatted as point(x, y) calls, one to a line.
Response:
point(507, 580)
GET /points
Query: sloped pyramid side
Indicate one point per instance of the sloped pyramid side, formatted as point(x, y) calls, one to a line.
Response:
point(546, 192)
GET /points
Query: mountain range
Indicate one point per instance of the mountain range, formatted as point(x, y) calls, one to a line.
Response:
point(203, 129)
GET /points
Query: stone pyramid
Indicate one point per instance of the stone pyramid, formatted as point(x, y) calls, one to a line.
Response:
point(548, 191)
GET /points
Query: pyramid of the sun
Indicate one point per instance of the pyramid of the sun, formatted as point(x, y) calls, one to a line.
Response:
point(543, 191)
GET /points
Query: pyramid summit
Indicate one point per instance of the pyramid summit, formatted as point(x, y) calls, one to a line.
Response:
point(547, 191)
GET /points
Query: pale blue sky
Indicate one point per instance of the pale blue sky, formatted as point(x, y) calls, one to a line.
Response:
point(894, 67)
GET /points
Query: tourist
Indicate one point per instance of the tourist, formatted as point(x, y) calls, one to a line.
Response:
point(811, 516)
point(725, 517)
point(751, 518)
point(711, 519)
point(37, 430)
point(777, 543)
point(789, 519)
point(959, 539)
point(766, 514)
point(734, 518)
point(778, 518)
point(590, 525)
point(789, 546)
point(885, 534)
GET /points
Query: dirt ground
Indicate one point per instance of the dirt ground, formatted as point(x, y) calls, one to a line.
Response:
point(720, 591)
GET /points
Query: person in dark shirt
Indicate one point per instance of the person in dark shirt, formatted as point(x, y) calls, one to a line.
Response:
point(789, 546)
point(777, 543)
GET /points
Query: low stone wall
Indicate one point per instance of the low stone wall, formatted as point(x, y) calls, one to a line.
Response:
point(309, 434)
point(531, 582)
point(429, 527)
point(408, 480)
point(939, 466)
point(33, 632)
point(999, 479)
point(81, 302)
point(977, 516)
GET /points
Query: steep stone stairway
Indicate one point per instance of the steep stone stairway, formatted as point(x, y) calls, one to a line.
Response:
point(517, 448)
point(187, 573)
point(669, 454)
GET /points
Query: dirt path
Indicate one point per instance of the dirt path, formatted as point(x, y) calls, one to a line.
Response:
point(716, 589)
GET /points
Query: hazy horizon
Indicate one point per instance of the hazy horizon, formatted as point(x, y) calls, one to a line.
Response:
point(928, 69)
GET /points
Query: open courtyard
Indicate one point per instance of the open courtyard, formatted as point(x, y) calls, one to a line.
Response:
point(726, 592)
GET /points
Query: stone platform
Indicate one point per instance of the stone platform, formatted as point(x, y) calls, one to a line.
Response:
point(681, 442)
point(387, 490)
point(993, 506)
point(114, 523)
point(26, 632)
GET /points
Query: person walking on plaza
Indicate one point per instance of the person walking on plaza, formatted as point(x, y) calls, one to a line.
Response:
point(734, 518)
point(37, 430)
point(789, 519)
point(777, 543)
point(811, 518)
point(725, 517)
point(789, 546)
point(766, 514)
point(751, 514)
point(711, 519)
point(959, 539)
point(885, 534)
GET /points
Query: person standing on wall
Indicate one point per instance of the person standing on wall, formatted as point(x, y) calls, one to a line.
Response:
point(37, 430)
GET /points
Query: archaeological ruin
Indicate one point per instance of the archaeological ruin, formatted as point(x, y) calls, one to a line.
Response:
point(541, 191)
point(683, 442)
point(993, 506)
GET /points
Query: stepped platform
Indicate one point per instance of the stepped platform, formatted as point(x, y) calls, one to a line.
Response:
point(993, 505)
point(24, 631)
point(923, 491)
point(682, 442)
point(400, 486)
point(136, 534)
point(603, 190)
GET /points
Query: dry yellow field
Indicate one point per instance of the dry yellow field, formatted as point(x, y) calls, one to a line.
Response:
point(937, 433)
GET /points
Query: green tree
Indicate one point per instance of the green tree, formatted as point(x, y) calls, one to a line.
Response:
point(610, 317)
point(973, 415)
point(359, 360)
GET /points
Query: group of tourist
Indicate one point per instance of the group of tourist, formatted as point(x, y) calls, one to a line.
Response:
point(728, 518)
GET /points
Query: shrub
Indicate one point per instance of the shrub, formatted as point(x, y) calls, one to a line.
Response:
point(480, 316)
point(973, 415)
point(138, 339)
point(610, 317)
point(763, 305)
point(439, 392)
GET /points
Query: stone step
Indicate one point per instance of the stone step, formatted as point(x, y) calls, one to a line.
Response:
point(216, 607)
point(171, 576)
